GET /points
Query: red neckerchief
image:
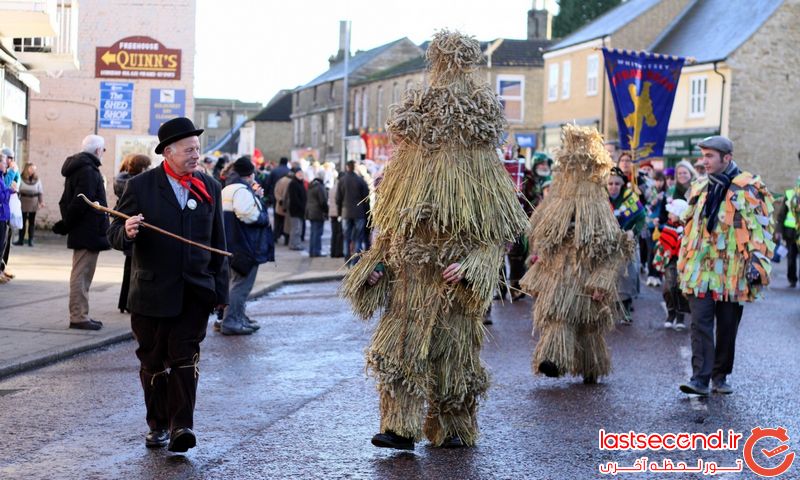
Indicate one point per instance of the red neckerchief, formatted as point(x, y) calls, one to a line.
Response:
point(188, 181)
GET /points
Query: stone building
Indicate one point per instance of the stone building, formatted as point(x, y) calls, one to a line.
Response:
point(127, 85)
point(273, 127)
point(221, 119)
point(741, 84)
point(35, 38)
point(512, 67)
point(317, 105)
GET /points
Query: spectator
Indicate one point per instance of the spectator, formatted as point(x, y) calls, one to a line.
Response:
point(84, 226)
point(654, 207)
point(631, 217)
point(725, 259)
point(30, 194)
point(269, 191)
point(12, 181)
point(316, 213)
point(296, 197)
point(337, 239)
point(208, 166)
point(665, 260)
point(786, 231)
point(281, 188)
point(5, 215)
point(352, 202)
point(246, 224)
point(700, 168)
point(131, 165)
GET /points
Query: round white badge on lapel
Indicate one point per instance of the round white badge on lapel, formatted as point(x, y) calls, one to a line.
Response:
point(192, 204)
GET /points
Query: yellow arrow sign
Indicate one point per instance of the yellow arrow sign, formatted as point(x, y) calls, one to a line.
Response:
point(109, 58)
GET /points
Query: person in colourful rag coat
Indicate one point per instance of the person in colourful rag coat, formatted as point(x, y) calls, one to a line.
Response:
point(630, 214)
point(724, 260)
point(174, 286)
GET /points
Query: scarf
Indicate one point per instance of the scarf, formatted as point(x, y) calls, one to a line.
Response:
point(718, 184)
point(188, 181)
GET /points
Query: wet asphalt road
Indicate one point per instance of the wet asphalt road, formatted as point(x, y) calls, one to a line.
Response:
point(293, 401)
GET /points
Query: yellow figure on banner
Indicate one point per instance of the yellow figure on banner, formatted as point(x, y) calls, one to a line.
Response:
point(642, 113)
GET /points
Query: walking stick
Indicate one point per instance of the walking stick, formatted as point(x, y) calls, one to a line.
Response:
point(110, 211)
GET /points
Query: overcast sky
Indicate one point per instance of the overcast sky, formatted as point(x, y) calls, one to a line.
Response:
point(249, 50)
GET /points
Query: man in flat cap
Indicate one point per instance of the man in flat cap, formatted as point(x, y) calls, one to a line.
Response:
point(724, 260)
point(174, 286)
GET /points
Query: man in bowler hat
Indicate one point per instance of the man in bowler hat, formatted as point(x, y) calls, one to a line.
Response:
point(174, 286)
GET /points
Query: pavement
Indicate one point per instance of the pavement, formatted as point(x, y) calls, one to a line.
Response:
point(33, 307)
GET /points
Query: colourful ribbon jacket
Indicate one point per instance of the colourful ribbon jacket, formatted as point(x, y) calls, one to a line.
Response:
point(717, 263)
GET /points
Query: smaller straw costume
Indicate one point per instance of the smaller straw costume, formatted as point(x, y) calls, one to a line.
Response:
point(445, 198)
point(580, 248)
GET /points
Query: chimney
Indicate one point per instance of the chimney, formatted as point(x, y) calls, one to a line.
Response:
point(539, 23)
point(342, 44)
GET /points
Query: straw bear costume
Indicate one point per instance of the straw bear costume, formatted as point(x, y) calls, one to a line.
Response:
point(445, 198)
point(580, 250)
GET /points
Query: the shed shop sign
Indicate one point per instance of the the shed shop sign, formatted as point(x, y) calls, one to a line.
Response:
point(138, 57)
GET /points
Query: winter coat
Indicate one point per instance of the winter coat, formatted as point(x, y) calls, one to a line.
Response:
point(352, 194)
point(30, 195)
point(317, 203)
point(85, 226)
point(247, 230)
point(280, 190)
point(5, 196)
point(716, 263)
point(297, 196)
point(333, 212)
point(119, 183)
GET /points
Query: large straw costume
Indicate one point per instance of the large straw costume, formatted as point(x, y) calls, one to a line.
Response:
point(580, 248)
point(444, 198)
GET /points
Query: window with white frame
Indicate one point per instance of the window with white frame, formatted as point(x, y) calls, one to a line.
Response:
point(510, 89)
point(364, 108)
point(379, 112)
point(408, 85)
point(302, 131)
point(566, 73)
point(357, 109)
point(212, 121)
point(395, 92)
point(698, 96)
point(332, 93)
point(552, 83)
point(592, 74)
point(297, 131)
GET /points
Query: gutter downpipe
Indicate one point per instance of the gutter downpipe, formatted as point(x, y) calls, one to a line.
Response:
point(601, 68)
point(722, 96)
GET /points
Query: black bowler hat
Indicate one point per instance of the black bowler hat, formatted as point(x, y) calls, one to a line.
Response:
point(176, 129)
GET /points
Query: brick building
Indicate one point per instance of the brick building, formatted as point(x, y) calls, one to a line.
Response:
point(35, 37)
point(221, 118)
point(742, 83)
point(127, 84)
point(273, 127)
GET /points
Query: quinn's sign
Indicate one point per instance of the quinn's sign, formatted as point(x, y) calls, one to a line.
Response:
point(138, 57)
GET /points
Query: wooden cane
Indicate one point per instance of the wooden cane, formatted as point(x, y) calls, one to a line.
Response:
point(110, 211)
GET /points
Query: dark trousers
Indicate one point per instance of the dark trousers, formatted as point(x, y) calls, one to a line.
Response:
point(315, 242)
point(4, 241)
point(279, 221)
point(169, 351)
point(28, 225)
point(673, 297)
point(337, 238)
point(790, 237)
point(122, 304)
point(516, 263)
point(713, 359)
point(7, 246)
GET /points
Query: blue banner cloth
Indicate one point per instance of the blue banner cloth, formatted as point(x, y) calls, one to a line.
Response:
point(643, 89)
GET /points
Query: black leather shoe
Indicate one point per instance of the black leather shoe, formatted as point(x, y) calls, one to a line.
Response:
point(549, 369)
point(453, 442)
point(181, 440)
point(96, 322)
point(156, 439)
point(88, 325)
point(392, 440)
